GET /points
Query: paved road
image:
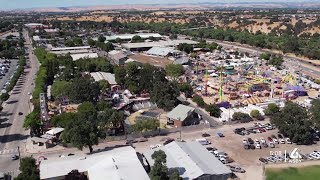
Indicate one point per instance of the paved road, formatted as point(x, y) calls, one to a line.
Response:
point(12, 134)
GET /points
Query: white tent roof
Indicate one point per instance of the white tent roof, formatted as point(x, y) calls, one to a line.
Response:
point(54, 131)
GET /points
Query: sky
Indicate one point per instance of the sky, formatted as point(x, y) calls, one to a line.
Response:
point(17, 4)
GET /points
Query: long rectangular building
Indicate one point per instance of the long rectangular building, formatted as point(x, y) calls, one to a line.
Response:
point(130, 36)
point(148, 45)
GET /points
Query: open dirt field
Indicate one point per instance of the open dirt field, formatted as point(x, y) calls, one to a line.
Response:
point(156, 61)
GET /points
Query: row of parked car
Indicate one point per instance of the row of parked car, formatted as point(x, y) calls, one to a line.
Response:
point(315, 155)
point(257, 128)
point(269, 142)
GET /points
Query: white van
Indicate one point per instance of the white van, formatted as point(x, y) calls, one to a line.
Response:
point(203, 141)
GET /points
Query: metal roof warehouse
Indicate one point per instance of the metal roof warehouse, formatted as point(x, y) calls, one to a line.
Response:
point(130, 36)
point(148, 45)
point(70, 48)
point(192, 160)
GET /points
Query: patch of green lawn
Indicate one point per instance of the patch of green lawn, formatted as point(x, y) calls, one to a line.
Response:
point(303, 173)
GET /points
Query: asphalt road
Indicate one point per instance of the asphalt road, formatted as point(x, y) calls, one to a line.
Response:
point(12, 134)
point(10, 72)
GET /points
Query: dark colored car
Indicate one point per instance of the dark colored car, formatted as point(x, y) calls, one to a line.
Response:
point(237, 131)
point(220, 134)
point(265, 145)
point(250, 141)
point(168, 141)
point(280, 136)
point(211, 148)
point(263, 160)
point(205, 135)
point(20, 113)
point(252, 146)
point(270, 139)
point(71, 154)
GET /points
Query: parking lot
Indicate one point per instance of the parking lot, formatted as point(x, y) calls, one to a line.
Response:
point(232, 145)
point(10, 72)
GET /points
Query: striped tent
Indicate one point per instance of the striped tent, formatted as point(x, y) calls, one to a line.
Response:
point(252, 100)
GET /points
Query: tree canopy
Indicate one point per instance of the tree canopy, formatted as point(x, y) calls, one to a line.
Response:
point(293, 122)
point(29, 170)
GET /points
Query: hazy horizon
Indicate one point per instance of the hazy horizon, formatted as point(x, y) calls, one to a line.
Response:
point(25, 4)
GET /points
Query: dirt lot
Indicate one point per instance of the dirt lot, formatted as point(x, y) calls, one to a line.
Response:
point(155, 61)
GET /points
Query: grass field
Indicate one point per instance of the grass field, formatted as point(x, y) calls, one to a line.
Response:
point(303, 173)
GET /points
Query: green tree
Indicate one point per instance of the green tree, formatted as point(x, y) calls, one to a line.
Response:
point(186, 89)
point(32, 121)
point(213, 110)
point(146, 124)
point(294, 122)
point(241, 117)
point(87, 108)
point(120, 75)
point(29, 170)
point(82, 131)
point(159, 169)
point(101, 39)
point(69, 43)
point(103, 105)
point(199, 100)
point(83, 89)
point(59, 88)
point(315, 112)
point(265, 56)
point(77, 41)
point(255, 113)
point(136, 39)
point(185, 47)
point(174, 70)
point(175, 175)
point(104, 85)
point(4, 96)
point(165, 94)
point(75, 175)
point(271, 109)
point(63, 119)
point(91, 42)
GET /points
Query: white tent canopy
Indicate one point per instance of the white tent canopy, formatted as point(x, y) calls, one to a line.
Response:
point(55, 131)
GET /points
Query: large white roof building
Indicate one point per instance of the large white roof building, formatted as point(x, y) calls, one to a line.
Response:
point(84, 56)
point(192, 160)
point(130, 36)
point(116, 164)
point(98, 76)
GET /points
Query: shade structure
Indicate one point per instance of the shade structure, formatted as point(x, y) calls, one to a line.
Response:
point(252, 100)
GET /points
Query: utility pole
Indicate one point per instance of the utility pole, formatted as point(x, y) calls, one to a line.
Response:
point(19, 154)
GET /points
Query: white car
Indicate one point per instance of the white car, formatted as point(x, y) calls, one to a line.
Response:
point(281, 141)
point(29, 93)
point(257, 141)
point(258, 146)
point(245, 141)
point(288, 141)
point(275, 141)
point(155, 146)
point(269, 128)
point(258, 131)
point(262, 140)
